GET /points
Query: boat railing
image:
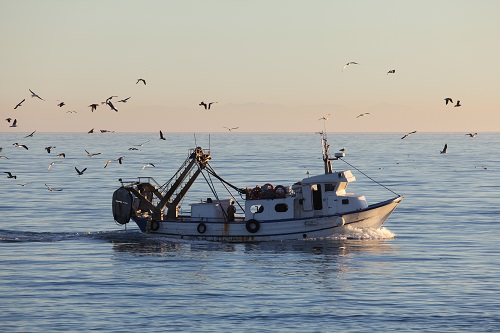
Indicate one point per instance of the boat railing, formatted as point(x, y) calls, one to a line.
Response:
point(140, 180)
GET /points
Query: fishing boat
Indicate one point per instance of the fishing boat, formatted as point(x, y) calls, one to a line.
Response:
point(315, 207)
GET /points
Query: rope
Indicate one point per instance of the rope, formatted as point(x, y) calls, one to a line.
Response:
point(212, 172)
point(373, 180)
point(212, 188)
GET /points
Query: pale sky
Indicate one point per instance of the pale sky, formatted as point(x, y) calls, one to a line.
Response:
point(272, 66)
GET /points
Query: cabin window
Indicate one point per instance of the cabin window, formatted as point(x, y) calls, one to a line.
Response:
point(281, 207)
point(256, 209)
point(317, 198)
point(342, 187)
point(330, 187)
point(345, 201)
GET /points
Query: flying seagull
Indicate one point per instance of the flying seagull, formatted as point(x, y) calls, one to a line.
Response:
point(448, 100)
point(35, 95)
point(61, 104)
point(30, 135)
point(161, 136)
point(19, 104)
point(205, 105)
point(230, 129)
point(93, 107)
point(14, 124)
point(107, 162)
point(120, 159)
point(49, 148)
point(392, 71)
point(91, 131)
point(472, 135)
point(325, 117)
point(408, 134)
point(148, 164)
point(91, 154)
point(111, 105)
point(445, 148)
point(142, 144)
point(80, 172)
point(50, 165)
point(10, 175)
point(51, 189)
point(349, 63)
point(124, 100)
point(362, 114)
point(17, 145)
point(63, 155)
point(141, 80)
point(458, 104)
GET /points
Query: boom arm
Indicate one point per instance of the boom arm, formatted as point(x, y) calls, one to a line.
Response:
point(198, 159)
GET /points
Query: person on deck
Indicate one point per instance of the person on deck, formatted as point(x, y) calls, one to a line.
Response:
point(231, 210)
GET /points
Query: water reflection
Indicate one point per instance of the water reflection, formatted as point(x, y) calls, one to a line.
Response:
point(140, 244)
point(137, 243)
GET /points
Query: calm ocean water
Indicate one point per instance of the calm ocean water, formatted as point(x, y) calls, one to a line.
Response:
point(65, 266)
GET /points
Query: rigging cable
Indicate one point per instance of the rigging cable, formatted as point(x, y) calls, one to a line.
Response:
point(368, 176)
point(212, 188)
point(211, 171)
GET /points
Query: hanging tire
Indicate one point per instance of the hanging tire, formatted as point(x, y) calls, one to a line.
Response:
point(252, 226)
point(201, 228)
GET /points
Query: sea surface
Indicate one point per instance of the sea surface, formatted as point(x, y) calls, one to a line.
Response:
point(66, 266)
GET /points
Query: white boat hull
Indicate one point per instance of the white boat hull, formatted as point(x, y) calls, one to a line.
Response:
point(271, 230)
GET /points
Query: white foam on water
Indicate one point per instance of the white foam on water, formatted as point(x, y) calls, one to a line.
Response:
point(350, 232)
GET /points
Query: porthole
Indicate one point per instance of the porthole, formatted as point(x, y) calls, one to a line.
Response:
point(281, 207)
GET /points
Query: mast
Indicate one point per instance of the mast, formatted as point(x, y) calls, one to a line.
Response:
point(326, 154)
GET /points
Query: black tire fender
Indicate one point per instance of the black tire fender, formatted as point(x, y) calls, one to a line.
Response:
point(252, 226)
point(201, 228)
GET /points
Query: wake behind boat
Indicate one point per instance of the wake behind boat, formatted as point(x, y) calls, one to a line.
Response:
point(315, 207)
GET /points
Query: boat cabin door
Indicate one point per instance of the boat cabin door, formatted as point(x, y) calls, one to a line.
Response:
point(313, 198)
point(306, 198)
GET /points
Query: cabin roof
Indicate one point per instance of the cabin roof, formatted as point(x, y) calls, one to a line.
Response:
point(334, 177)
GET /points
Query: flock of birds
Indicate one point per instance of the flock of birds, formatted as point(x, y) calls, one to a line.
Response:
point(59, 157)
point(80, 171)
point(93, 107)
point(12, 121)
point(447, 101)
